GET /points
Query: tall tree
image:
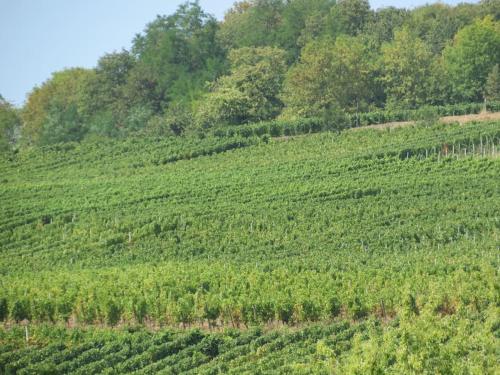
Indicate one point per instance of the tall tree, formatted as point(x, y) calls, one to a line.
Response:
point(384, 22)
point(298, 15)
point(9, 123)
point(64, 91)
point(350, 17)
point(251, 91)
point(330, 75)
point(406, 64)
point(104, 104)
point(437, 24)
point(176, 55)
point(474, 53)
point(492, 87)
point(252, 23)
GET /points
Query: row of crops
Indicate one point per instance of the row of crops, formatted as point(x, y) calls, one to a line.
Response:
point(457, 279)
point(410, 344)
point(354, 252)
point(278, 128)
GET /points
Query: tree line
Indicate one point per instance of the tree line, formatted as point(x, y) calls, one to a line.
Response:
point(268, 60)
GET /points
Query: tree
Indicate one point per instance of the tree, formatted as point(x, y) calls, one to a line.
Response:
point(436, 24)
point(104, 90)
point(350, 17)
point(491, 8)
point(492, 87)
point(406, 64)
point(253, 23)
point(250, 92)
point(62, 124)
point(471, 57)
point(381, 26)
point(63, 93)
point(301, 21)
point(330, 75)
point(9, 123)
point(176, 55)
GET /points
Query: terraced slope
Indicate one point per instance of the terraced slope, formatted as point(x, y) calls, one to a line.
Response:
point(383, 244)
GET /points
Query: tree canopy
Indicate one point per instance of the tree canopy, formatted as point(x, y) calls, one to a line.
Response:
point(270, 59)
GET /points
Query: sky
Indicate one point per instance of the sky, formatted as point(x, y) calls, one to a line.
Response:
point(38, 37)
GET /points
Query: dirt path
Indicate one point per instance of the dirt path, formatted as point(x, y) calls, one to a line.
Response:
point(484, 116)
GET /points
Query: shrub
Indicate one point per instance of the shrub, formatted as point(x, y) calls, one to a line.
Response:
point(21, 310)
point(4, 309)
point(113, 313)
point(427, 115)
point(284, 311)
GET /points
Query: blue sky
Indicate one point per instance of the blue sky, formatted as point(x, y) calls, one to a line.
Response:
point(39, 37)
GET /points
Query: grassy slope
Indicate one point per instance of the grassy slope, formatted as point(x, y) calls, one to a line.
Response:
point(320, 228)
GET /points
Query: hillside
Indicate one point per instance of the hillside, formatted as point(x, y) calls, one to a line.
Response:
point(367, 248)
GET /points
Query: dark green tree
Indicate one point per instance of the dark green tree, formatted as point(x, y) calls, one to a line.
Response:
point(471, 58)
point(176, 55)
point(10, 122)
point(250, 92)
point(406, 64)
point(350, 17)
point(492, 88)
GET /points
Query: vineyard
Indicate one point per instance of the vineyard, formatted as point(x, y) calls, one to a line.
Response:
point(346, 253)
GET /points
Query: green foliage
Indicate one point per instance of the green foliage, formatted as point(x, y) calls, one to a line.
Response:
point(330, 75)
point(208, 272)
point(250, 92)
point(9, 124)
point(427, 115)
point(176, 55)
point(113, 313)
point(406, 64)
point(350, 16)
point(436, 24)
point(21, 310)
point(252, 24)
point(187, 72)
point(53, 111)
point(372, 227)
point(492, 87)
point(62, 124)
point(425, 346)
point(4, 309)
point(471, 58)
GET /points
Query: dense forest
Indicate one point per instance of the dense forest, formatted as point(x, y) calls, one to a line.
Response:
point(268, 60)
